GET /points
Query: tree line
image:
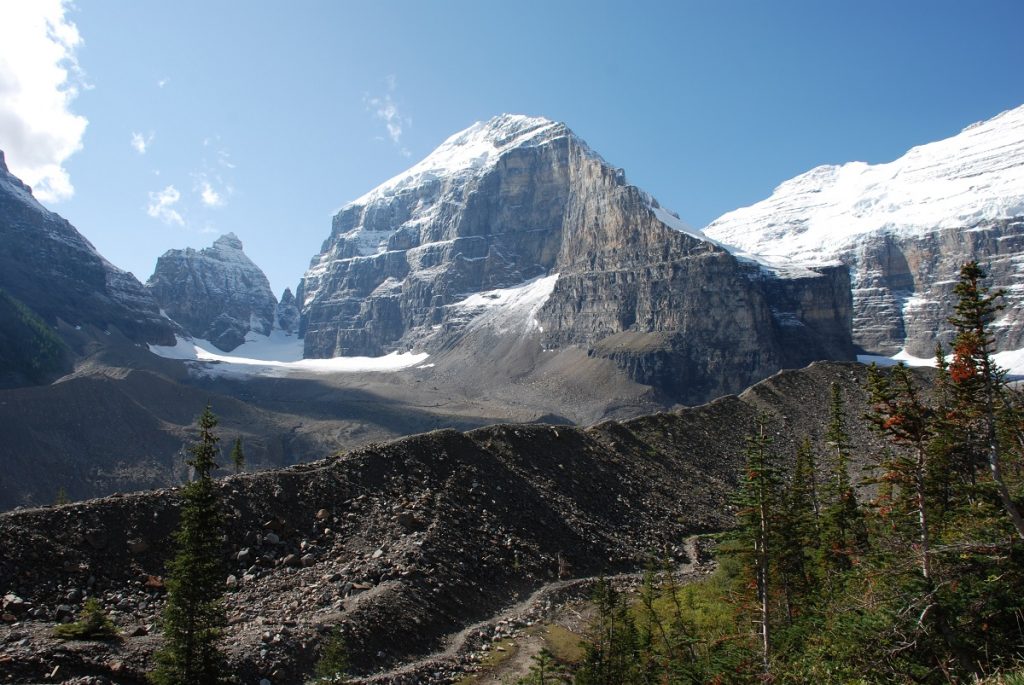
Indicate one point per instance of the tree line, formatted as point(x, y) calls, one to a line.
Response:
point(915, 575)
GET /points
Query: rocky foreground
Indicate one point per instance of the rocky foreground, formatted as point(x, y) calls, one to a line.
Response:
point(401, 544)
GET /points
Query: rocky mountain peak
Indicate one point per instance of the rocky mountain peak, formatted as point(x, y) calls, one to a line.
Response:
point(287, 312)
point(216, 294)
point(520, 210)
point(228, 241)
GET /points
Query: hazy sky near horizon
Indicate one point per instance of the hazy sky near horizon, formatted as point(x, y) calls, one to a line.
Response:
point(153, 126)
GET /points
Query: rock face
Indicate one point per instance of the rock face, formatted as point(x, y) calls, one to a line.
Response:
point(216, 294)
point(516, 199)
point(904, 229)
point(46, 264)
point(287, 316)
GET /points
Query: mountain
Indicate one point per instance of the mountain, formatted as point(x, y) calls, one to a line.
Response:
point(50, 268)
point(515, 229)
point(216, 294)
point(288, 315)
point(904, 228)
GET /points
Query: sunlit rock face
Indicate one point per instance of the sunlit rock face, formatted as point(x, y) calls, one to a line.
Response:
point(904, 229)
point(516, 199)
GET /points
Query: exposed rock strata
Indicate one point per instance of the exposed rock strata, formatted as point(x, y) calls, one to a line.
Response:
point(517, 198)
point(904, 229)
point(216, 294)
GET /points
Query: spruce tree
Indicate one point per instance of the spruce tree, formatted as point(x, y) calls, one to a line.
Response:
point(901, 414)
point(981, 381)
point(194, 613)
point(842, 526)
point(759, 503)
point(237, 455)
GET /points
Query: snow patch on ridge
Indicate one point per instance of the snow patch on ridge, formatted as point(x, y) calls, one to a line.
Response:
point(505, 309)
point(474, 148)
point(974, 177)
point(276, 355)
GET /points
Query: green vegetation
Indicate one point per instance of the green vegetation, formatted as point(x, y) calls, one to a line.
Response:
point(92, 624)
point(194, 613)
point(238, 456)
point(921, 583)
point(28, 347)
point(333, 661)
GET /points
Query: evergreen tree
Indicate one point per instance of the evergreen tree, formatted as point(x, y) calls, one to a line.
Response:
point(758, 500)
point(237, 455)
point(843, 532)
point(900, 413)
point(798, 531)
point(194, 613)
point(610, 655)
point(333, 661)
point(975, 374)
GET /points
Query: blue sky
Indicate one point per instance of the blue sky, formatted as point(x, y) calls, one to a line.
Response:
point(191, 119)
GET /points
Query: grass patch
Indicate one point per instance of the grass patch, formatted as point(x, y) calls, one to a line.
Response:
point(565, 646)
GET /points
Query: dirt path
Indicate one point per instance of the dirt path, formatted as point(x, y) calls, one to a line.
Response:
point(505, 644)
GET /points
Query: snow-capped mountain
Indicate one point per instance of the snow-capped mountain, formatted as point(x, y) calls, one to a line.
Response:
point(50, 267)
point(904, 228)
point(515, 199)
point(216, 294)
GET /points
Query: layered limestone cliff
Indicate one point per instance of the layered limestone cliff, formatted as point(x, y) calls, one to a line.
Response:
point(216, 294)
point(904, 229)
point(517, 198)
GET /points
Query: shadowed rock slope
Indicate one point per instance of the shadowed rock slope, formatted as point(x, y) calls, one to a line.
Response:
point(401, 543)
point(47, 265)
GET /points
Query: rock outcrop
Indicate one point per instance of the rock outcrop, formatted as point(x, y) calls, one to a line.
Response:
point(904, 229)
point(47, 265)
point(518, 198)
point(216, 294)
point(288, 315)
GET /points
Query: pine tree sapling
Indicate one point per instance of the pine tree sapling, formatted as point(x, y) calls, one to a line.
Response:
point(194, 612)
point(92, 624)
point(237, 455)
point(333, 661)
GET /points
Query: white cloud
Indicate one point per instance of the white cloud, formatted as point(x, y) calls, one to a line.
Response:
point(161, 206)
point(209, 196)
point(141, 143)
point(162, 82)
point(385, 109)
point(39, 80)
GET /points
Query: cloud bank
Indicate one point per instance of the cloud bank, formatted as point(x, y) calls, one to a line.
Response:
point(39, 80)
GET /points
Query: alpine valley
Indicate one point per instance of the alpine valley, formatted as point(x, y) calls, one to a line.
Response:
point(511, 275)
point(507, 372)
